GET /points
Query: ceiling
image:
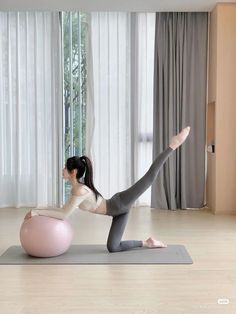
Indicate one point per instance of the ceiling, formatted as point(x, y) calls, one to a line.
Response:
point(109, 5)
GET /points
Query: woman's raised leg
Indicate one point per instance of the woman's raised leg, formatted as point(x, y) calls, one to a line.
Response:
point(129, 196)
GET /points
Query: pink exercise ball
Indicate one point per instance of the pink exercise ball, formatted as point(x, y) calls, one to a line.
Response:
point(43, 236)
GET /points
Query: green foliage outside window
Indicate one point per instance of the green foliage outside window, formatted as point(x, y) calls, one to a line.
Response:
point(75, 80)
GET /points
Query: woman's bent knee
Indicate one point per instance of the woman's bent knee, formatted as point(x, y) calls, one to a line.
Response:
point(113, 248)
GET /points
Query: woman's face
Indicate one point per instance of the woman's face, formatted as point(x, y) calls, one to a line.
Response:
point(68, 175)
point(65, 173)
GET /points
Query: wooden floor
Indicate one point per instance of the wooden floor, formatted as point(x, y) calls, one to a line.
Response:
point(164, 289)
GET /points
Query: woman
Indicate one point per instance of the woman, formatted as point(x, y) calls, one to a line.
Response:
point(86, 197)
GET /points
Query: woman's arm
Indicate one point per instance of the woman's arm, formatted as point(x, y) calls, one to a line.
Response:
point(65, 211)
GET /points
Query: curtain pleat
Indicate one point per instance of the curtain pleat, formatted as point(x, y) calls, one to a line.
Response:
point(111, 73)
point(143, 94)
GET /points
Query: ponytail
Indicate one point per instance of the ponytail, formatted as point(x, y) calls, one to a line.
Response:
point(88, 179)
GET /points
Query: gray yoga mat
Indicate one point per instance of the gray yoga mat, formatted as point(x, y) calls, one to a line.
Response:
point(98, 254)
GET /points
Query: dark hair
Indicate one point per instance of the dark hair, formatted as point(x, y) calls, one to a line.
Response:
point(83, 165)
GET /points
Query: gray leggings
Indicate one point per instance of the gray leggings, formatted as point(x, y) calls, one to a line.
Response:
point(118, 206)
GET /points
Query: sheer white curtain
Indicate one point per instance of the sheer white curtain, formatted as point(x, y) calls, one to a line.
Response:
point(144, 30)
point(31, 109)
point(110, 42)
point(122, 69)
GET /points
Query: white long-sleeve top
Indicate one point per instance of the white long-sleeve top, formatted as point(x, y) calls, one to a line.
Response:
point(85, 202)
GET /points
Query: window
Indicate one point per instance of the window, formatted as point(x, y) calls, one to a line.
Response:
point(75, 76)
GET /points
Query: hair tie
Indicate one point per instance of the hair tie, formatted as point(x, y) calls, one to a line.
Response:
point(82, 160)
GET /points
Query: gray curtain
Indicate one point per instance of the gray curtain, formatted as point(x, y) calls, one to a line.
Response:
point(180, 82)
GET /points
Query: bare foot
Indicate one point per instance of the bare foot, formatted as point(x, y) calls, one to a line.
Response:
point(178, 139)
point(150, 243)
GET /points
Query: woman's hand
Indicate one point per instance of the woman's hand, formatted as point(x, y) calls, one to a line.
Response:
point(28, 216)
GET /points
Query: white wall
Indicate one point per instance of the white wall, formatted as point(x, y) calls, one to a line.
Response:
point(110, 5)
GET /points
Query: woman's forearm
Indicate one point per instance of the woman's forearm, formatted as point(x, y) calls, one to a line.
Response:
point(49, 213)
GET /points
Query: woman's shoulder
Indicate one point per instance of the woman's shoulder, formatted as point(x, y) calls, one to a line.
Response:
point(81, 190)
